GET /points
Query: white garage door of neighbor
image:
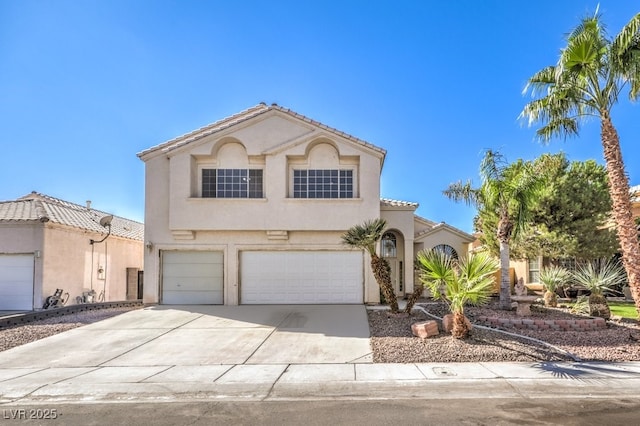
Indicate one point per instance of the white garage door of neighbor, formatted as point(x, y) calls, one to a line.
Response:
point(16, 282)
point(304, 277)
point(192, 278)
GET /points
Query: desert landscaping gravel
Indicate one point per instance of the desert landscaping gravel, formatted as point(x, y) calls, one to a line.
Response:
point(393, 342)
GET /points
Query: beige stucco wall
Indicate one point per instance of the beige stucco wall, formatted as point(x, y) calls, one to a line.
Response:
point(401, 219)
point(70, 262)
point(176, 217)
point(443, 236)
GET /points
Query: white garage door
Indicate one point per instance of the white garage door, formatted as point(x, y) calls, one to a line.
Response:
point(192, 278)
point(291, 277)
point(16, 282)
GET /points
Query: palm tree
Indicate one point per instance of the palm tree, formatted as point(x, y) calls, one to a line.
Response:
point(598, 279)
point(469, 280)
point(586, 82)
point(508, 192)
point(553, 277)
point(366, 237)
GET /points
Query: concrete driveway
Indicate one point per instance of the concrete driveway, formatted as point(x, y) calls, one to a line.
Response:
point(207, 335)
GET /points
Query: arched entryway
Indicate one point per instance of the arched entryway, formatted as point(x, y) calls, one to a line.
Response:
point(392, 247)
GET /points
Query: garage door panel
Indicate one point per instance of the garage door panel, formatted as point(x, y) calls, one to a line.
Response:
point(301, 277)
point(16, 282)
point(194, 270)
point(192, 277)
point(192, 297)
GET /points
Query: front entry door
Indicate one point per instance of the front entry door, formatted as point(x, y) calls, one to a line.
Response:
point(390, 253)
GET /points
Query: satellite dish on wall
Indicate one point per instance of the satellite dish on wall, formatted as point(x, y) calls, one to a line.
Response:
point(106, 221)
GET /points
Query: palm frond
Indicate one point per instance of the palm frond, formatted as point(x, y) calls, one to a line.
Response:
point(627, 38)
point(365, 236)
point(554, 277)
point(598, 278)
point(459, 191)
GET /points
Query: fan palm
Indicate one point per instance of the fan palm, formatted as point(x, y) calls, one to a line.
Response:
point(586, 82)
point(509, 192)
point(553, 277)
point(597, 279)
point(366, 237)
point(468, 281)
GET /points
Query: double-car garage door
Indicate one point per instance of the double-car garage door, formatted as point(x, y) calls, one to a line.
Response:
point(299, 277)
point(266, 277)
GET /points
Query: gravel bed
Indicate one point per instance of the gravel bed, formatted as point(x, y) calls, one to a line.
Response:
point(392, 340)
point(21, 334)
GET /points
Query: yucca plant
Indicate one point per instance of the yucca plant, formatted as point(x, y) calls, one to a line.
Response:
point(467, 281)
point(598, 279)
point(552, 278)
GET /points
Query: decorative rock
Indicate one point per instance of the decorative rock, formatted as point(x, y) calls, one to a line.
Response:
point(425, 329)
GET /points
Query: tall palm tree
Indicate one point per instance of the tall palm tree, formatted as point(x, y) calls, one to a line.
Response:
point(366, 237)
point(469, 280)
point(508, 192)
point(586, 82)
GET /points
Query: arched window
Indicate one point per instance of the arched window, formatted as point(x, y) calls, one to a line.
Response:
point(447, 249)
point(389, 248)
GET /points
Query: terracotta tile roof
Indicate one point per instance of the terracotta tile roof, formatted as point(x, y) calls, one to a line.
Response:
point(43, 208)
point(443, 225)
point(247, 114)
point(397, 203)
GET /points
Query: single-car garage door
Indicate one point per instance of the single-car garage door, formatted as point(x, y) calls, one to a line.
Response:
point(16, 282)
point(192, 278)
point(305, 277)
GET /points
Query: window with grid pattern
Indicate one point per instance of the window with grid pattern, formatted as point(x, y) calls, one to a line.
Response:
point(321, 183)
point(232, 183)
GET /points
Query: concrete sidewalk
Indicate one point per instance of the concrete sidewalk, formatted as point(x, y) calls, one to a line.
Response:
point(268, 353)
point(277, 382)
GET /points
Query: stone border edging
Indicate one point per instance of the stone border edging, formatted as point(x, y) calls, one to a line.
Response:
point(587, 324)
point(20, 319)
point(541, 342)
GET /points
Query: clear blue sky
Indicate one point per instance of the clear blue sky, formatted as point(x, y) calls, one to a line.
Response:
point(85, 85)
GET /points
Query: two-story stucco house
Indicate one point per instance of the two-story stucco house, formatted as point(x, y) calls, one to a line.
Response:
point(251, 209)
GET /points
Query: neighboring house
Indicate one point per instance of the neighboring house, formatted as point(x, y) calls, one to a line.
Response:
point(46, 244)
point(251, 210)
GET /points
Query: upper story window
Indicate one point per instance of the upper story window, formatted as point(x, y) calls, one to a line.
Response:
point(323, 183)
point(232, 183)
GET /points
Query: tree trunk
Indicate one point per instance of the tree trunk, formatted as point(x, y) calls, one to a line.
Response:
point(621, 206)
point(598, 306)
point(550, 299)
point(505, 227)
point(460, 326)
point(505, 285)
point(418, 288)
point(382, 274)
